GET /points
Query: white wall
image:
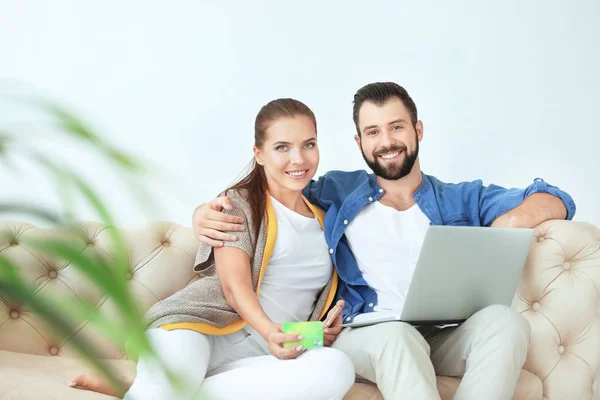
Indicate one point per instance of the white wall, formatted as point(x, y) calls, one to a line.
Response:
point(508, 91)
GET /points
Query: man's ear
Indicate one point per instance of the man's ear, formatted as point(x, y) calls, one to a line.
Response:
point(357, 140)
point(419, 129)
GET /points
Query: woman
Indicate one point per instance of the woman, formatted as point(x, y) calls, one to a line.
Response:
point(222, 333)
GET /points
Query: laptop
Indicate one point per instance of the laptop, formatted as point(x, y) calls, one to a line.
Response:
point(460, 270)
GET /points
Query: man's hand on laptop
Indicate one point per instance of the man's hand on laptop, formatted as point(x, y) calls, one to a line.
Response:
point(210, 224)
point(331, 332)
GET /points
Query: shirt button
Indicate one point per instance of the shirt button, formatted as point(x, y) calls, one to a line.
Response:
point(370, 199)
point(371, 305)
point(345, 222)
point(348, 319)
point(330, 251)
point(380, 190)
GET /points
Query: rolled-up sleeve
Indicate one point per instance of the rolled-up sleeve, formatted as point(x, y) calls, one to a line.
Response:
point(495, 201)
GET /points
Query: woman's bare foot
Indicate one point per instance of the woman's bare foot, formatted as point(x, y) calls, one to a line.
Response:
point(97, 383)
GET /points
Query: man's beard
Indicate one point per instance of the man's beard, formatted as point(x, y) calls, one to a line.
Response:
point(392, 172)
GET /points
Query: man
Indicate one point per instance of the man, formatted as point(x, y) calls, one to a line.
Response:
point(375, 226)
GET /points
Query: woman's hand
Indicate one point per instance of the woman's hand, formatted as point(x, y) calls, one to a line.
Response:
point(331, 332)
point(276, 338)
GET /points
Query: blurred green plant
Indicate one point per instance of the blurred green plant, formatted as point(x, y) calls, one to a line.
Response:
point(108, 274)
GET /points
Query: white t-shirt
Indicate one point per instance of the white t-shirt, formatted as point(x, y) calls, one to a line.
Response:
point(386, 244)
point(299, 268)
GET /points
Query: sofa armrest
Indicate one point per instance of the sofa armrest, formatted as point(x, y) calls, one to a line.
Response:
point(560, 297)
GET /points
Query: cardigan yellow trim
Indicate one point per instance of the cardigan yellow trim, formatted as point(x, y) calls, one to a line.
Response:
point(208, 329)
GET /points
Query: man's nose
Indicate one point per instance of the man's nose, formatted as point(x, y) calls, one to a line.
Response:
point(386, 139)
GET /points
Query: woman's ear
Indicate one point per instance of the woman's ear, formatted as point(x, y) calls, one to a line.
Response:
point(258, 156)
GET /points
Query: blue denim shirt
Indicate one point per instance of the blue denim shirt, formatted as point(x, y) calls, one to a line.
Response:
point(344, 194)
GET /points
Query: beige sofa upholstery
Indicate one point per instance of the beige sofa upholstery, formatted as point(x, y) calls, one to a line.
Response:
point(559, 295)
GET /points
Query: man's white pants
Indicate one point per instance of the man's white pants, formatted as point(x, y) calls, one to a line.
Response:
point(488, 350)
point(238, 369)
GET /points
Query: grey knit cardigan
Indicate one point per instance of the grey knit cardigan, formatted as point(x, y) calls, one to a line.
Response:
point(201, 306)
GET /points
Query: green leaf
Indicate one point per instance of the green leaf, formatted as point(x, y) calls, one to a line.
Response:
point(34, 211)
point(4, 138)
point(71, 124)
point(93, 199)
point(123, 160)
point(80, 130)
point(93, 267)
point(68, 177)
point(132, 335)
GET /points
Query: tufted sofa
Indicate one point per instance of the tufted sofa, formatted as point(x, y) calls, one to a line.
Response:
point(559, 295)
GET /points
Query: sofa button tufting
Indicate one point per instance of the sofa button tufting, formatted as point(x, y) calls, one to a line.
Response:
point(165, 243)
point(561, 349)
point(566, 266)
point(52, 274)
point(54, 350)
point(536, 306)
point(14, 314)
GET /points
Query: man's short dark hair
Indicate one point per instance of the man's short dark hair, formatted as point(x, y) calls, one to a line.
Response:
point(379, 93)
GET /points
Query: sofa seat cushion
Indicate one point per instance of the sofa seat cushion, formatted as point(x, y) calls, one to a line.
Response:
point(33, 377)
point(529, 387)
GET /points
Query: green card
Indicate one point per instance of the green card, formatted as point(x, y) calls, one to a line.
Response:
point(311, 330)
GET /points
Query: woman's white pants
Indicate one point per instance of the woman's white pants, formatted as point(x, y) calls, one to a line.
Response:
point(235, 367)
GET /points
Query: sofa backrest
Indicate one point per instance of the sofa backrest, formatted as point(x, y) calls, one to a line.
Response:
point(161, 258)
point(559, 294)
